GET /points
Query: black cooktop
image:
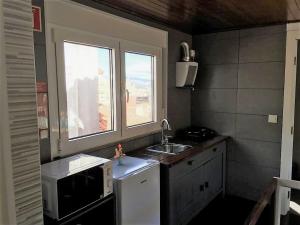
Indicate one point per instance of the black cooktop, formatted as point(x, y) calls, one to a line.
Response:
point(196, 134)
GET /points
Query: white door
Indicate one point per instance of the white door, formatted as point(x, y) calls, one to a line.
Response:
point(293, 35)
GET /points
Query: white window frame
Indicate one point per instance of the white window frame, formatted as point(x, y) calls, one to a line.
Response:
point(150, 127)
point(89, 22)
point(90, 141)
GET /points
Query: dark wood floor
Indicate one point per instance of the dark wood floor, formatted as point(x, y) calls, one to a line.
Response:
point(234, 211)
point(290, 219)
point(228, 210)
point(293, 218)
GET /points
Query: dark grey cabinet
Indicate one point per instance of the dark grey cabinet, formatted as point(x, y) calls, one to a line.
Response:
point(198, 187)
point(183, 193)
point(191, 184)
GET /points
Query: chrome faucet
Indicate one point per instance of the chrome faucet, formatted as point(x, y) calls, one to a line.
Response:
point(164, 125)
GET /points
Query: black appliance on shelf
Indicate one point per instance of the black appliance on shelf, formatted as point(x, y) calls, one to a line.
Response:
point(73, 183)
point(101, 212)
point(196, 134)
point(78, 190)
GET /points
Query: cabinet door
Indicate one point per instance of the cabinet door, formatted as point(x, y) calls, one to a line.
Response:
point(184, 193)
point(216, 172)
point(198, 187)
point(195, 193)
point(213, 170)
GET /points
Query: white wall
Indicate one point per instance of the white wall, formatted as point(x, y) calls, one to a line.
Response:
point(4, 218)
point(3, 211)
point(18, 136)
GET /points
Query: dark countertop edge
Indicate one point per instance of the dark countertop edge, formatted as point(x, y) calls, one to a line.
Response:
point(169, 160)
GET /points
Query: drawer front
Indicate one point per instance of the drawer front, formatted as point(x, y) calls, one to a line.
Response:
point(210, 153)
point(194, 162)
point(182, 168)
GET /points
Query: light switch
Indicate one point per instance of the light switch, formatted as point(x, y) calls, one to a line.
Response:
point(272, 119)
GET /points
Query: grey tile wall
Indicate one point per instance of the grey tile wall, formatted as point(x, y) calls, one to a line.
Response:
point(267, 30)
point(260, 101)
point(137, 143)
point(40, 62)
point(261, 75)
point(217, 48)
point(179, 100)
point(248, 181)
point(256, 153)
point(41, 72)
point(239, 83)
point(256, 127)
point(262, 48)
point(216, 100)
point(223, 123)
point(218, 76)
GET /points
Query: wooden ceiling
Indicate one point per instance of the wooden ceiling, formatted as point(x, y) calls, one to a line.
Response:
point(203, 16)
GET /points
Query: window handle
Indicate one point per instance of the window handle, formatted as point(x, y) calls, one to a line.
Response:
point(127, 95)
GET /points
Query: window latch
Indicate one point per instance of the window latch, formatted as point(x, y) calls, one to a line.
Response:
point(59, 145)
point(127, 95)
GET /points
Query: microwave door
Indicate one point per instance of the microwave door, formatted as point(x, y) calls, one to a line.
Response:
point(79, 190)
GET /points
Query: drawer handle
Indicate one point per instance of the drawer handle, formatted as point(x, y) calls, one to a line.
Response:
point(190, 162)
point(215, 149)
point(206, 184)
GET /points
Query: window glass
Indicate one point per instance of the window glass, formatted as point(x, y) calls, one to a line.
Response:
point(139, 72)
point(88, 74)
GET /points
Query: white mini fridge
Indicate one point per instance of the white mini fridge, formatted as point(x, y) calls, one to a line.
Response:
point(137, 189)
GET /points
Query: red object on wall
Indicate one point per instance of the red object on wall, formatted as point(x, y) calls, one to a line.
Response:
point(36, 18)
point(41, 87)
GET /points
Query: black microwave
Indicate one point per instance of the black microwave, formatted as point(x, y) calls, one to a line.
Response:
point(73, 183)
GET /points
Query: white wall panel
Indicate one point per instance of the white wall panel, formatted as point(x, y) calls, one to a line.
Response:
point(23, 150)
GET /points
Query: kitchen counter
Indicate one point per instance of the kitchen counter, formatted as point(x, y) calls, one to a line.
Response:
point(169, 160)
point(190, 180)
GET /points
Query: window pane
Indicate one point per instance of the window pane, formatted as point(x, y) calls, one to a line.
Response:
point(139, 88)
point(89, 89)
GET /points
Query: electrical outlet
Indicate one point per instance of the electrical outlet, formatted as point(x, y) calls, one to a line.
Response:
point(272, 119)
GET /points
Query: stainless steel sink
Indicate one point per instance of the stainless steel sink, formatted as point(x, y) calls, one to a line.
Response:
point(170, 148)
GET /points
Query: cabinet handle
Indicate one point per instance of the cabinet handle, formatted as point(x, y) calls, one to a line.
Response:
point(190, 162)
point(215, 149)
point(206, 184)
point(201, 187)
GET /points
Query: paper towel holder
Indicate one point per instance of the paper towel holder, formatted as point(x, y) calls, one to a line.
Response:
point(186, 74)
point(186, 70)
